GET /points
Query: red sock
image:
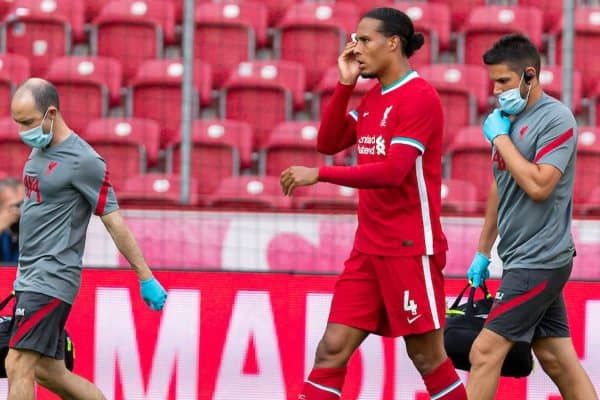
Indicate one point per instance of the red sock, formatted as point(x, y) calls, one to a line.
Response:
point(444, 384)
point(323, 384)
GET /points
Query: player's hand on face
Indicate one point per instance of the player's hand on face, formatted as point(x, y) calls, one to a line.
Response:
point(496, 124)
point(347, 65)
point(296, 176)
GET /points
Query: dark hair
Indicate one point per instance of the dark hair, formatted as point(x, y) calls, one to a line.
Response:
point(43, 92)
point(396, 23)
point(516, 51)
point(45, 95)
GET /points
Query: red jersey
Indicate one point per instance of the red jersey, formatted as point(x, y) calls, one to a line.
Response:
point(402, 219)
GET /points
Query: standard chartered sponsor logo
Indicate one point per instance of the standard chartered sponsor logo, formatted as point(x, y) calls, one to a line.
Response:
point(371, 145)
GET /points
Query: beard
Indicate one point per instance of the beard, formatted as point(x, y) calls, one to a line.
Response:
point(368, 75)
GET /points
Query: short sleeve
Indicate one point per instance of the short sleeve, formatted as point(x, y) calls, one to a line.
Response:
point(92, 181)
point(557, 142)
point(417, 120)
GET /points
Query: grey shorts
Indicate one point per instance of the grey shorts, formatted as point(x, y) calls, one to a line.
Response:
point(39, 324)
point(529, 304)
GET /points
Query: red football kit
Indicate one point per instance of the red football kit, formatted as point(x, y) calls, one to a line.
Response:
point(392, 283)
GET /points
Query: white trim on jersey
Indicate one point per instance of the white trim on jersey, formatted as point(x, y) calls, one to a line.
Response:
point(410, 142)
point(430, 291)
point(424, 206)
point(325, 388)
point(406, 78)
point(353, 114)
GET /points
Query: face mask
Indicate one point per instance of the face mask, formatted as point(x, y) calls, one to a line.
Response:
point(35, 137)
point(511, 101)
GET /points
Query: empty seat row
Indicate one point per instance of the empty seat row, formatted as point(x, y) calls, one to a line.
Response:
point(311, 34)
point(262, 93)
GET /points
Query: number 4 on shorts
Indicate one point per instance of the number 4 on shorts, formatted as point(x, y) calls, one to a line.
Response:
point(409, 305)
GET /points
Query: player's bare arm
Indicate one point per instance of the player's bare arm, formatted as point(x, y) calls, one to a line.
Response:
point(126, 243)
point(296, 176)
point(489, 231)
point(537, 180)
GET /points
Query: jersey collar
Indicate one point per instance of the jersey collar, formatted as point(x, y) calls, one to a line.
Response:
point(410, 75)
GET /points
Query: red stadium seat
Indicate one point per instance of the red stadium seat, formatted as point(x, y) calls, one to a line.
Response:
point(464, 91)
point(219, 149)
point(126, 144)
point(155, 189)
point(314, 35)
point(324, 91)
point(38, 30)
point(291, 143)
point(364, 6)
point(263, 93)
point(325, 197)
point(591, 206)
point(587, 42)
point(250, 192)
point(487, 24)
point(460, 198)
point(587, 173)
point(14, 151)
point(552, 9)
point(161, 80)
point(14, 69)
point(133, 31)
point(70, 11)
point(459, 10)
point(139, 131)
point(236, 28)
point(433, 20)
point(471, 160)
point(86, 86)
point(551, 81)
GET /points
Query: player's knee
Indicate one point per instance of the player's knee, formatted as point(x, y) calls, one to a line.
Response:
point(481, 353)
point(550, 363)
point(332, 349)
point(14, 368)
point(42, 376)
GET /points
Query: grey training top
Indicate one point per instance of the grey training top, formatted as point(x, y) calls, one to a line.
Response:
point(64, 184)
point(538, 234)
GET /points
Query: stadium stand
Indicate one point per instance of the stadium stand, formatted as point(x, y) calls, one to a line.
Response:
point(249, 193)
point(220, 149)
point(93, 81)
point(14, 69)
point(14, 152)
point(239, 28)
point(263, 93)
point(161, 79)
point(325, 197)
point(464, 91)
point(127, 145)
point(133, 31)
point(155, 190)
point(291, 143)
point(314, 34)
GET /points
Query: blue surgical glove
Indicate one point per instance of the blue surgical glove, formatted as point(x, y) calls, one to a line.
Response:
point(478, 271)
point(153, 293)
point(496, 124)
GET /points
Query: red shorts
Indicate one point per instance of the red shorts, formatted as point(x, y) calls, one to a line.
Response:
point(390, 296)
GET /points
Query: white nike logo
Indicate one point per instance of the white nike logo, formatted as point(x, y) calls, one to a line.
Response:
point(365, 113)
point(413, 319)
